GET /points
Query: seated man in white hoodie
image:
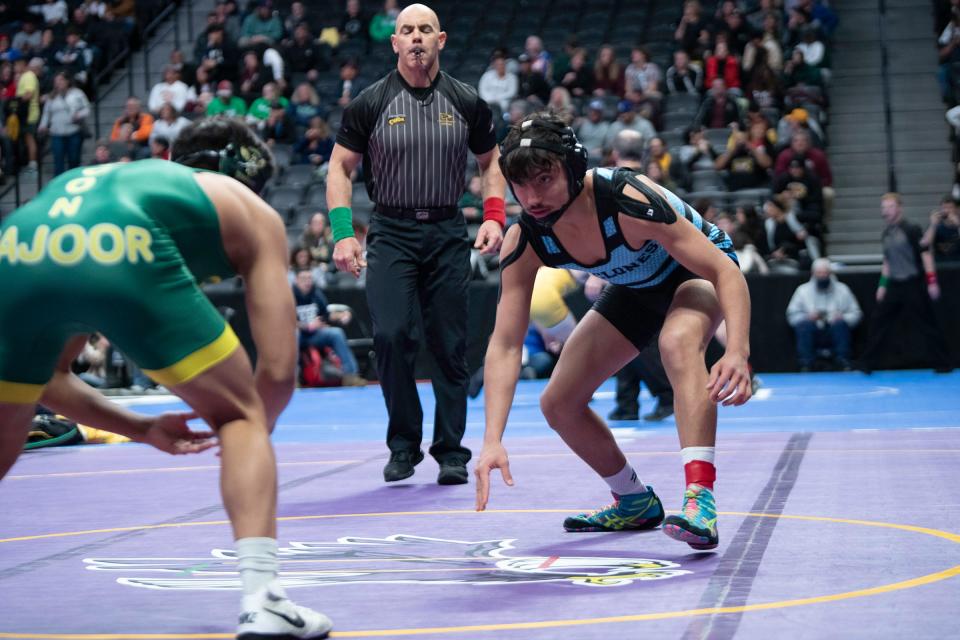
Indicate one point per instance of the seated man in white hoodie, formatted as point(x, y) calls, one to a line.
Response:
point(823, 312)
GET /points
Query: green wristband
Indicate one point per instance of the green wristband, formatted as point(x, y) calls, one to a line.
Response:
point(883, 281)
point(341, 221)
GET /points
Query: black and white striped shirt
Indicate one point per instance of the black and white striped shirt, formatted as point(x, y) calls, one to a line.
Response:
point(414, 141)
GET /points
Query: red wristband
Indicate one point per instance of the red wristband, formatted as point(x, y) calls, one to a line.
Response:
point(495, 209)
point(931, 278)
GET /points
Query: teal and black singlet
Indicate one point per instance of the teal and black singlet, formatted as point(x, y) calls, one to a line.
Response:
point(643, 279)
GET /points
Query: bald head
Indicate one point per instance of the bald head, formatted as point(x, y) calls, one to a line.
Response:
point(417, 41)
point(417, 14)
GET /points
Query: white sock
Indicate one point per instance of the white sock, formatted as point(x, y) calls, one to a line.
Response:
point(257, 563)
point(706, 454)
point(625, 482)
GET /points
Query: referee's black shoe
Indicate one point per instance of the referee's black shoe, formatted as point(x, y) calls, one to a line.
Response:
point(452, 472)
point(401, 465)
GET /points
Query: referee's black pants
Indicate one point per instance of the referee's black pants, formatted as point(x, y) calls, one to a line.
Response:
point(907, 299)
point(414, 270)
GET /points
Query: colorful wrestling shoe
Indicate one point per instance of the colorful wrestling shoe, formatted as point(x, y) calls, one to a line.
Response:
point(269, 615)
point(632, 512)
point(697, 526)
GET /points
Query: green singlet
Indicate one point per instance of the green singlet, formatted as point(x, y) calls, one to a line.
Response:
point(119, 249)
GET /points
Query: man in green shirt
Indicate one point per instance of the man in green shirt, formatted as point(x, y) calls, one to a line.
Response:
point(226, 103)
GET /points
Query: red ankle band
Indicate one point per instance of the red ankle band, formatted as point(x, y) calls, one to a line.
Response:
point(700, 472)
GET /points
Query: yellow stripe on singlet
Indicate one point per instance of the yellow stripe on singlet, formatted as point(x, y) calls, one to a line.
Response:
point(197, 362)
point(20, 393)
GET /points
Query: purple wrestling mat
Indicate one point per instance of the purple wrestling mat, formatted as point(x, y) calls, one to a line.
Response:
point(823, 534)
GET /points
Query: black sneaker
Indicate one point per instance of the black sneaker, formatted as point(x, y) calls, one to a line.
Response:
point(623, 414)
point(401, 465)
point(452, 472)
point(662, 412)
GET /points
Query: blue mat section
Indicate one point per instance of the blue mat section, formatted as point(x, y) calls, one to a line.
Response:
point(785, 402)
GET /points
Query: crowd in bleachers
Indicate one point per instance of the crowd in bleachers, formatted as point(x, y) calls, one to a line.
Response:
point(50, 55)
point(943, 232)
point(730, 98)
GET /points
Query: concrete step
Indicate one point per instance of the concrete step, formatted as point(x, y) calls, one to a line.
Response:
point(847, 248)
point(866, 225)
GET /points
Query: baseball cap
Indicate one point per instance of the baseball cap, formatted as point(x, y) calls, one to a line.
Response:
point(798, 115)
point(624, 105)
point(224, 88)
point(523, 57)
point(596, 105)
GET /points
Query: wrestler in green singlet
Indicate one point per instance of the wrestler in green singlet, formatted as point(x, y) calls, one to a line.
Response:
point(133, 237)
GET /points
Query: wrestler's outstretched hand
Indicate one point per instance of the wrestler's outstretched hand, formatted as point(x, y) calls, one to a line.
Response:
point(492, 456)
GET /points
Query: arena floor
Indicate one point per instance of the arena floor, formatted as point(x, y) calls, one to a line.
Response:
point(839, 518)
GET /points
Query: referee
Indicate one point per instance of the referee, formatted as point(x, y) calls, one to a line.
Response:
point(412, 129)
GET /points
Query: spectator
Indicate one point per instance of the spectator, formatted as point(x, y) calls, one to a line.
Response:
point(750, 224)
point(692, 34)
point(299, 260)
point(561, 63)
point(943, 234)
point(28, 92)
point(262, 27)
point(798, 73)
point(763, 89)
point(823, 312)
point(497, 85)
point(949, 55)
point(655, 172)
point(305, 105)
point(171, 91)
point(908, 284)
point(628, 118)
point(540, 59)
point(28, 40)
point(49, 47)
point(253, 75)
point(815, 159)
point(313, 321)
point(316, 144)
point(723, 64)
point(814, 52)
point(102, 154)
point(608, 78)
point(64, 116)
point(594, 131)
point(74, 57)
point(159, 148)
point(226, 103)
point(227, 15)
point(471, 202)
point(766, 40)
point(787, 239)
point(747, 159)
point(217, 54)
point(299, 16)
point(530, 84)
point(259, 109)
point(349, 87)
point(719, 109)
point(642, 76)
point(657, 152)
point(578, 79)
point(7, 52)
point(134, 126)
point(92, 361)
point(354, 24)
point(736, 31)
point(201, 92)
point(682, 77)
point(696, 152)
point(304, 55)
point(169, 123)
point(383, 22)
point(317, 239)
point(804, 191)
point(561, 103)
point(54, 12)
